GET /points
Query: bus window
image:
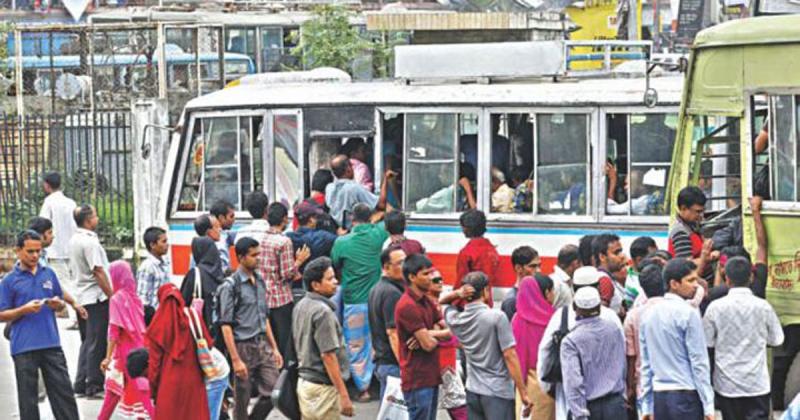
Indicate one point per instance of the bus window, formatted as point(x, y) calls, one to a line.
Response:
point(639, 150)
point(441, 183)
point(224, 162)
point(511, 176)
point(221, 175)
point(783, 145)
point(190, 191)
point(716, 145)
point(271, 49)
point(562, 171)
point(287, 173)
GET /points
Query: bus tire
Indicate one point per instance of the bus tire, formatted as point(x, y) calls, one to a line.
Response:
point(792, 387)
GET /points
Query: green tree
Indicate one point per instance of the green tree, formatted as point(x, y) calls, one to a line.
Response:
point(328, 40)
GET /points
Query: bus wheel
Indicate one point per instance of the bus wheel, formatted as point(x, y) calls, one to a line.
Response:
point(792, 387)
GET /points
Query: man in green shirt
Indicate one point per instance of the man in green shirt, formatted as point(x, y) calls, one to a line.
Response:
point(357, 257)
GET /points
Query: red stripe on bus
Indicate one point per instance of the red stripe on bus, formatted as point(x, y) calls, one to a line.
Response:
point(445, 263)
point(182, 255)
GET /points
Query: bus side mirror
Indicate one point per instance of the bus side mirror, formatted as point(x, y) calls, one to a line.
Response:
point(146, 147)
point(650, 98)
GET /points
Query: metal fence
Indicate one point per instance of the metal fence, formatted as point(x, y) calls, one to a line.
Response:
point(98, 68)
point(90, 151)
point(65, 103)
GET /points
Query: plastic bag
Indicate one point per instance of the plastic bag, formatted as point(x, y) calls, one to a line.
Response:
point(393, 405)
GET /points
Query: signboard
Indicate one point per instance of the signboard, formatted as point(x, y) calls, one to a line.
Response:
point(690, 20)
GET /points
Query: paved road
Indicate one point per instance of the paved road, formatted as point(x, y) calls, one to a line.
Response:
point(90, 408)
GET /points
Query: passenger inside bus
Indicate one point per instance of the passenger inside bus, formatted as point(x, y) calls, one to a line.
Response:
point(441, 201)
point(356, 149)
point(502, 194)
point(646, 188)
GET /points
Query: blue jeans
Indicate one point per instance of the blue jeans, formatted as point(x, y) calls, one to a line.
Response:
point(422, 403)
point(216, 391)
point(382, 371)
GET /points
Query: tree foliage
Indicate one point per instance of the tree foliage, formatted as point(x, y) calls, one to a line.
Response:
point(328, 40)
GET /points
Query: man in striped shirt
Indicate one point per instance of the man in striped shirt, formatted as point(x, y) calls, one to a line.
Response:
point(593, 362)
point(685, 239)
point(279, 268)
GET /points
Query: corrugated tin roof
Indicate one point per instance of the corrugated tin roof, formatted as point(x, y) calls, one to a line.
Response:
point(760, 30)
point(608, 92)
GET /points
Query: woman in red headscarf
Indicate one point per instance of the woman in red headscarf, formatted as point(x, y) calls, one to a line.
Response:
point(125, 333)
point(534, 310)
point(175, 375)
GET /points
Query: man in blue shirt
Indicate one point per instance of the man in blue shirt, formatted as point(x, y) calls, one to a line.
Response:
point(29, 297)
point(676, 377)
point(319, 241)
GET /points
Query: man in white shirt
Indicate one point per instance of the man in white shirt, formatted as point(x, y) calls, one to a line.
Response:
point(89, 262)
point(739, 327)
point(568, 261)
point(58, 209)
point(257, 207)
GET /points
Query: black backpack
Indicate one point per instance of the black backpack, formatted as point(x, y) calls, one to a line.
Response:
point(552, 368)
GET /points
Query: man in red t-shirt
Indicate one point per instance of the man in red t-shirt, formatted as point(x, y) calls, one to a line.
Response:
point(478, 254)
point(419, 329)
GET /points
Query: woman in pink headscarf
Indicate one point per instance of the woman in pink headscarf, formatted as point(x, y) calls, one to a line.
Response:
point(126, 330)
point(534, 310)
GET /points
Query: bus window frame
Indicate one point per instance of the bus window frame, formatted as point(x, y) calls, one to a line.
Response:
point(269, 154)
point(485, 149)
point(603, 146)
point(405, 110)
point(186, 137)
point(747, 158)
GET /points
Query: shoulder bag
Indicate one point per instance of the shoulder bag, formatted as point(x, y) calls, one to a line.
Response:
point(552, 367)
point(211, 360)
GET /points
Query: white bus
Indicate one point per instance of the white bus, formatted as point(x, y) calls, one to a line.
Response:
point(556, 136)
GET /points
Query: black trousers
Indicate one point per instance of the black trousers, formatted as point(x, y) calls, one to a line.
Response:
point(746, 408)
point(677, 405)
point(781, 362)
point(280, 320)
point(53, 365)
point(610, 407)
point(94, 339)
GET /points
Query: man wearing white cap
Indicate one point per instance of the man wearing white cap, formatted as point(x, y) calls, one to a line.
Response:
point(593, 362)
point(561, 321)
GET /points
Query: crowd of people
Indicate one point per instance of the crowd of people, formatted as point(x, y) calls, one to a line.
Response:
point(348, 298)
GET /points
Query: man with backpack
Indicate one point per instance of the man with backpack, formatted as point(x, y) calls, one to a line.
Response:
point(564, 320)
point(243, 315)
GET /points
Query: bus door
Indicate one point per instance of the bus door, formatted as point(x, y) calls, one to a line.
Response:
point(284, 147)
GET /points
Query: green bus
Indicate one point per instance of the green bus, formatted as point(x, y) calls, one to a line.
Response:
point(739, 134)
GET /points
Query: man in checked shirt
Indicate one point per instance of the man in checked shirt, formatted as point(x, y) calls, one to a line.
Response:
point(279, 268)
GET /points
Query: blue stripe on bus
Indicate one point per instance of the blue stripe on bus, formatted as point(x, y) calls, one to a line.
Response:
point(508, 231)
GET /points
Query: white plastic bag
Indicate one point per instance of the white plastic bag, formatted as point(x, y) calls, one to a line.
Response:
point(393, 405)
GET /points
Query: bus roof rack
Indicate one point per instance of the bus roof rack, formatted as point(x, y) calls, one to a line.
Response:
point(497, 62)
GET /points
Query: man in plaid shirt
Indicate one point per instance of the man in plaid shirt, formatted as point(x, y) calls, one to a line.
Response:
point(279, 268)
